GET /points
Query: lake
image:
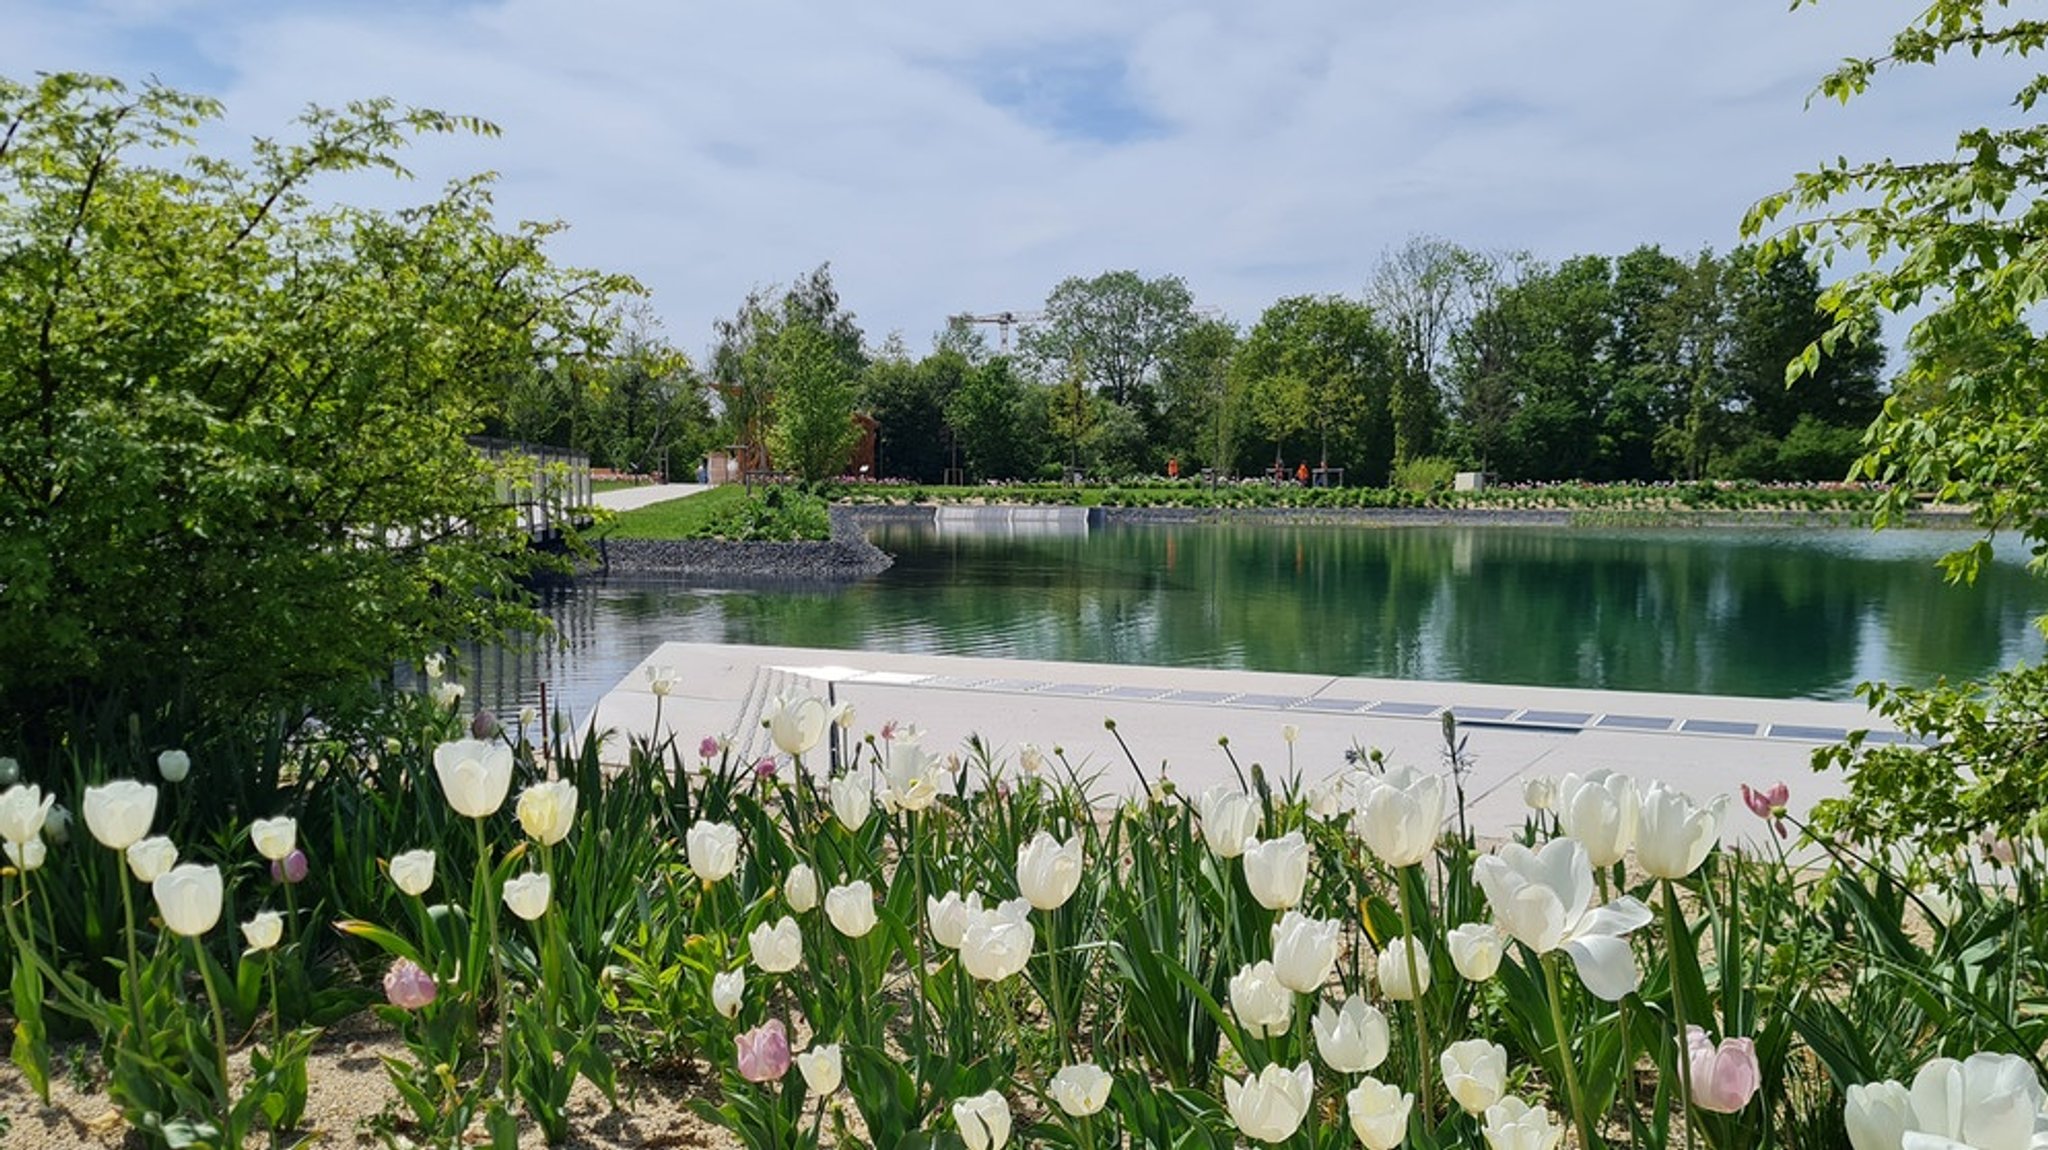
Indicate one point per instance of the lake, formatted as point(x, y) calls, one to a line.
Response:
point(1774, 612)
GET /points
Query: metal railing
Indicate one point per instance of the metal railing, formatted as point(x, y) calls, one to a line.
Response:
point(550, 486)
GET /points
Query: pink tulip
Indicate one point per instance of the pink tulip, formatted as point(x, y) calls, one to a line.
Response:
point(763, 1052)
point(407, 986)
point(1769, 804)
point(708, 749)
point(291, 868)
point(765, 769)
point(1724, 1078)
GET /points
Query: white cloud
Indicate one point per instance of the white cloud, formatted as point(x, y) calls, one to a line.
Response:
point(707, 149)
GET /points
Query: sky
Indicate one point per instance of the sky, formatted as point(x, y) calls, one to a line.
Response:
point(950, 158)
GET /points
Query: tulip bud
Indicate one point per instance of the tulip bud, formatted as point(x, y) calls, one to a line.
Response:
point(984, 1121)
point(291, 869)
point(1351, 1040)
point(1475, 1073)
point(1673, 834)
point(1878, 1115)
point(274, 838)
point(851, 908)
point(948, 916)
point(1539, 793)
point(547, 811)
point(475, 776)
point(57, 827)
point(1277, 871)
point(853, 797)
point(713, 849)
point(188, 897)
point(707, 747)
point(1402, 817)
point(1379, 1113)
point(1724, 1077)
point(1048, 871)
point(800, 888)
point(728, 989)
point(483, 725)
point(27, 856)
point(796, 722)
point(1512, 1124)
point(997, 942)
point(528, 895)
point(1395, 981)
point(822, 1069)
point(1081, 1089)
point(777, 949)
point(1229, 820)
point(408, 986)
point(1263, 1006)
point(117, 813)
point(264, 931)
point(173, 766)
point(413, 871)
point(1476, 949)
point(1599, 810)
point(762, 1053)
point(1304, 950)
point(24, 810)
point(1270, 1105)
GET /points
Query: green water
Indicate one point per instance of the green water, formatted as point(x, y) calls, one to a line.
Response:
point(1775, 613)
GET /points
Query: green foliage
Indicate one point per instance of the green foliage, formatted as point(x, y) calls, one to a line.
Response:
point(233, 477)
point(814, 428)
point(1322, 365)
point(1430, 474)
point(1002, 433)
point(775, 515)
point(1116, 329)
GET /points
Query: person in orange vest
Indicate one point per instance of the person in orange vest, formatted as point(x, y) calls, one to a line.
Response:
point(1172, 467)
point(1301, 473)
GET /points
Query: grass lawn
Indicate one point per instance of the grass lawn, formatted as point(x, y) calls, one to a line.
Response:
point(730, 512)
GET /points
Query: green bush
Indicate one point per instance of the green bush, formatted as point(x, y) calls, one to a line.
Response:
point(1429, 474)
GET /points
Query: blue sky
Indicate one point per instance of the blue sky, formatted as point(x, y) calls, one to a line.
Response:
point(950, 158)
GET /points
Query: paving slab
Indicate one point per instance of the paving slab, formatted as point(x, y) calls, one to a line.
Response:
point(1173, 720)
point(646, 494)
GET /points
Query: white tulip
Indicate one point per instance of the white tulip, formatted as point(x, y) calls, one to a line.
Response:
point(1081, 1089)
point(173, 766)
point(1544, 900)
point(264, 931)
point(713, 850)
point(1270, 1105)
point(547, 811)
point(151, 857)
point(119, 813)
point(528, 894)
point(1599, 810)
point(1476, 949)
point(1475, 1072)
point(779, 948)
point(1674, 835)
point(822, 1069)
point(10, 771)
point(412, 872)
point(853, 797)
point(447, 694)
point(57, 828)
point(984, 1121)
point(1984, 1102)
point(851, 908)
point(1539, 793)
point(1030, 759)
point(797, 721)
point(187, 896)
point(27, 856)
point(1049, 871)
point(1379, 1113)
point(1304, 950)
point(275, 838)
point(1229, 820)
point(23, 810)
point(1353, 1039)
point(949, 915)
point(997, 942)
point(1277, 871)
point(1402, 817)
point(1878, 1115)
point(800, 889)
point(728, 992)
point(1512, 1124)
point(662, 678)
point(474, 775)
point(1263, 1006)
point(1395, 982)
point(912, 774)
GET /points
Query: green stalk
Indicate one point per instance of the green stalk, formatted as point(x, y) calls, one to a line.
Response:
point(1426, 1072)
point(225, 1096)
point(134, 979)
point(1673, 923)
point(1052, 957)
point(1564, 1052)
point(489, 913)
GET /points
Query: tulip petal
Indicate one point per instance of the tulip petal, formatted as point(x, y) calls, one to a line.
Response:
point(1606, 966)
point(1616, 918)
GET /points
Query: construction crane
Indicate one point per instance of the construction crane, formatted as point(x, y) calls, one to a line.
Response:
point(1004, 321)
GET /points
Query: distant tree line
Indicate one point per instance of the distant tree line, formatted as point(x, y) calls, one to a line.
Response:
point(1646, 366)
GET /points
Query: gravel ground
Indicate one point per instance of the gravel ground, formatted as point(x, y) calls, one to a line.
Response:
point(348, 1087)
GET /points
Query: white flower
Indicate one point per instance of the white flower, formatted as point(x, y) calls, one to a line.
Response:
point(1049, 871)
point(1395, 982)
point(23, 810)
point(800, 889)
point(1878, 1115)
point(436, 665)
point(28, 856)
point(1229, 819)
point(1475, 1072)
point(264, 931)
point(447, 694)
point(661, 678)
point(57, 828)
point(1476, 949)
point(1304, 950)
point(1354, 1039)
point(474, 775)
point(796, 722)
point(821, 1068)
point(1081, 1089)
point(1263, 1006)
point(853, 797)
point(948, 916)
point(528, 894)
point(984, 1121)
point(119, 813)
point(1379, 1113)
point(1512, 1124)
point(1674, 835)
point(151, 857)
point(413, 871)
point(851, 908)
point(1269, 1105)
point(777, 948)
point(713, 850)
point(1543, 899)
point(1030, 759)
point(912, 774)
point(1539, 792)
point(10, 771)
point(547, 811)
point(276, 837)
point(1277, 871)
point(1289, 732)
point(728, 991)
point(997, 942)
point(1984, 1102)
point(1402, 817)
point(1599, 810)
point(188, 897)
point(173, 766)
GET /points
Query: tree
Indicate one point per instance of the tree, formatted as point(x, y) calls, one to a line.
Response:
point(1200, 409)
point(1001, 435)
point(1338, 367)
point(750, 366)
point(233, 477)
point(909, 400)
point(1424, 293)
point(814, 428)
point(1118, 327)
point(643, 409)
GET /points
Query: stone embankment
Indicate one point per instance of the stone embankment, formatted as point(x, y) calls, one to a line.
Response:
point(846, 555)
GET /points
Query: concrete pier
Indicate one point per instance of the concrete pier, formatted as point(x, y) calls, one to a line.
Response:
point(1172, 718)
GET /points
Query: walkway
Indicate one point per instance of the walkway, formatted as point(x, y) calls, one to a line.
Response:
point(633, 498)
point(1172, 718)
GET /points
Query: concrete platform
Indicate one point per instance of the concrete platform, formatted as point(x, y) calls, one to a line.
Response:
point(645, 495)
point(1172, 718)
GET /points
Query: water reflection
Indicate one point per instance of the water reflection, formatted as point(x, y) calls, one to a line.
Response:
point(1782, 614)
